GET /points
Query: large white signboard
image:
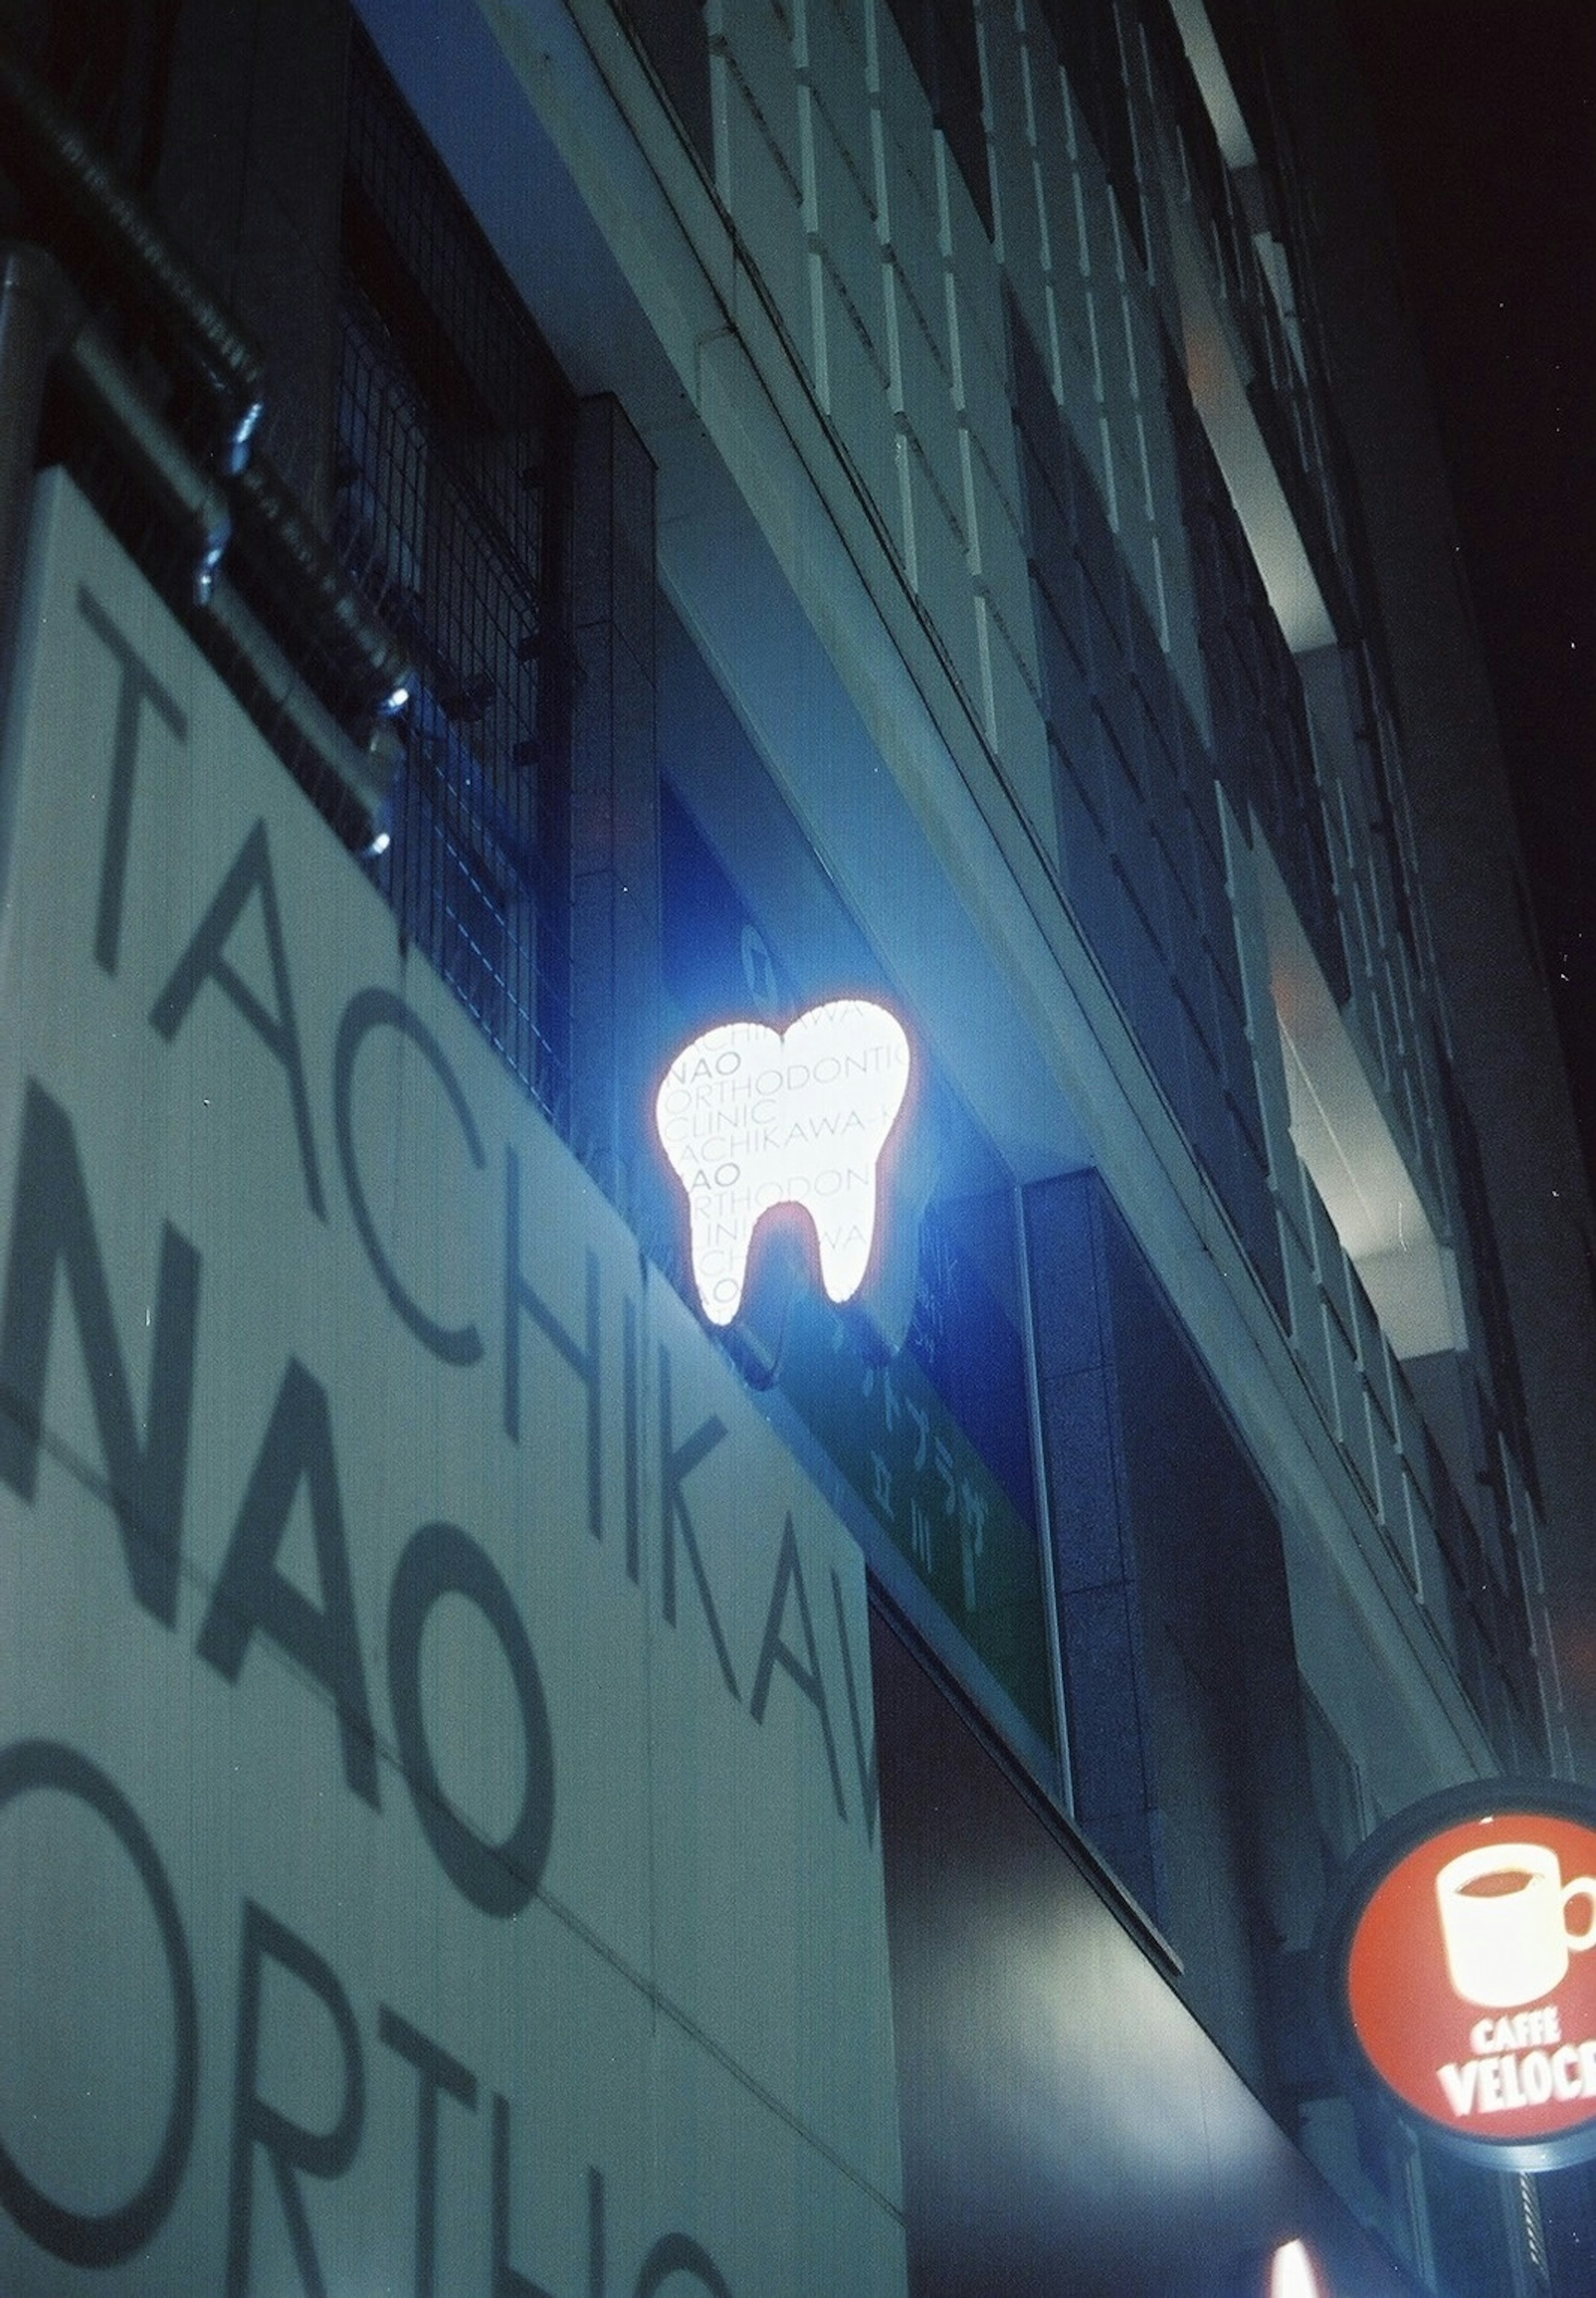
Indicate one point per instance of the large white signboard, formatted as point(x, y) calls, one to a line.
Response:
point(438, 1844)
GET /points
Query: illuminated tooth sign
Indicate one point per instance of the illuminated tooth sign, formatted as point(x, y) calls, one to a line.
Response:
point(751, 1119)
point(1464, 1974)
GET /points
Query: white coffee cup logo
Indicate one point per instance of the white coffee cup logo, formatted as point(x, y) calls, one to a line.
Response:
point(1504, 1922)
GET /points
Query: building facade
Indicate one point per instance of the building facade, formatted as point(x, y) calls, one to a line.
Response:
point(536, 530)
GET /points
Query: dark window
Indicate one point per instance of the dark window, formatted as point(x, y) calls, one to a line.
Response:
point(676, 43)
point(1187, 1749)
point(1490, 1627)
point(1262, 752)
point(452, 431)
point(939, 36)
point(1337, 1791)
point(1496, 1316)
point(1143, 859)
point(1088, 37)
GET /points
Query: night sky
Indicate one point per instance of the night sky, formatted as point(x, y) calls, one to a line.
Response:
point(1487, 114)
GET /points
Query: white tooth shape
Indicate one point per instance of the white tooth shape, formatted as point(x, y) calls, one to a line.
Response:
point(751, 1119)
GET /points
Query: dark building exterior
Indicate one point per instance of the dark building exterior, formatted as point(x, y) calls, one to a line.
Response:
point(537, 531)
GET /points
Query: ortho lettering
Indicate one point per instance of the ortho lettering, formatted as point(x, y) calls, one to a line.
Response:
point(435, 2071)
point(292, 2148)
point(508, 2281)
point(679, 2253)
point(595, 2232)
point(107, 2237)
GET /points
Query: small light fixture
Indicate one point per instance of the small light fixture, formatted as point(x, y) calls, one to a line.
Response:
point(1292, 2273)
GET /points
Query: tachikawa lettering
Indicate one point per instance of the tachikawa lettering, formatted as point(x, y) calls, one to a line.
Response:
point(53, 1229)
point(368, 1009)
point(136, 687)
point(205, 960)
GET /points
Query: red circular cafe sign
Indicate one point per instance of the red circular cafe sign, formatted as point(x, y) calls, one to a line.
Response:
point(1469, 1979)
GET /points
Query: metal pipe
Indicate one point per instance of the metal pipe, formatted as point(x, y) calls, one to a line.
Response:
point(183, 494)
point(359, 783)
point(288, 568)
point(35, 307)
point(290, 578)
point(302, 586)
point(48, 153)
point(41, 318)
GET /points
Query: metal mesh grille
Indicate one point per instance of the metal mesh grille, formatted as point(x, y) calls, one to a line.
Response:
point(450, 483)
